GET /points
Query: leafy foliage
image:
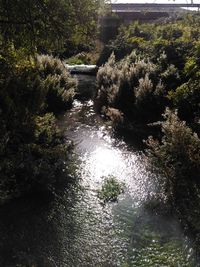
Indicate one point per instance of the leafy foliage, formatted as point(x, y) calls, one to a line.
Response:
point(156, 65)
point(178, 154)
point(187, 98)
point(177, 159)
point(81, 58)
point(110, 190)
point(128, 86)
point(58, 83)
point(48, 25)
point(30, 141)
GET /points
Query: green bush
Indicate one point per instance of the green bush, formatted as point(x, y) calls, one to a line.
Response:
point(108, 83)
point(178, 40)
point(32, 149)
point(57, 81)
point(81, 58)
point(177, 156)
point(155, 65)
point(21, 97)
point(176, 159)
point(128, 85)
point(186, 99)
point(110, 190)
point(46, 131)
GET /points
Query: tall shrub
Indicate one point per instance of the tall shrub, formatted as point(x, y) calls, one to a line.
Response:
point(57, 81)
point(177, 156)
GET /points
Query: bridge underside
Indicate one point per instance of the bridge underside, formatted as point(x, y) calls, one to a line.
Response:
point(154, 6)
point(149, 16)
point(127, 13)
point(148, 12)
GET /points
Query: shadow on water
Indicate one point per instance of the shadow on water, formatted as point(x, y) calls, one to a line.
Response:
point(74, 229)
point(27, 236)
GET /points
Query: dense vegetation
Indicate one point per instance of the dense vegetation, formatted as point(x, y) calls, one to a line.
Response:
point(35, 87)
point(153, 69)
point(152, 65)
point(61, 26)
point(110, 190)
point(32, 90)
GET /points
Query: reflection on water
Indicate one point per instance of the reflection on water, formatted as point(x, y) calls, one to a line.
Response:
point(75, 229)
point(124, 233)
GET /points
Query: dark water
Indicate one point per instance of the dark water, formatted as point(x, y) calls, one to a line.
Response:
point(74, 228)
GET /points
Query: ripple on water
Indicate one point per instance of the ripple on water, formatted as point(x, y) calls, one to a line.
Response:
point(76, 230)
point(123, 233)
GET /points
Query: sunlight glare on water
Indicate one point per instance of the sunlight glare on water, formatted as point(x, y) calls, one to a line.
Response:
point(117, 234)
point(103, 155)
point(105, 161)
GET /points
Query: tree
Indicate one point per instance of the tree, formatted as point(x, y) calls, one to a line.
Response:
point(47, 24)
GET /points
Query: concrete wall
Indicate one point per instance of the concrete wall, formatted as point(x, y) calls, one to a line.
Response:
point(110, 24)
point(128, 17)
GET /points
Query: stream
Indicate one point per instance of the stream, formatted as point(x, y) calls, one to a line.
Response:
point(76, 229)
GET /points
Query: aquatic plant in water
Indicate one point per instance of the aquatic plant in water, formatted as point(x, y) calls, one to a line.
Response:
point(110, 189)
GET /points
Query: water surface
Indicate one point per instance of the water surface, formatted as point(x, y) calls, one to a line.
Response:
point(75, 228)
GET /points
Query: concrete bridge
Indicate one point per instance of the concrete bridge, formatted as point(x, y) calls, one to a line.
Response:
point(156, 7)
point(129, 12)
point(149, 12)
